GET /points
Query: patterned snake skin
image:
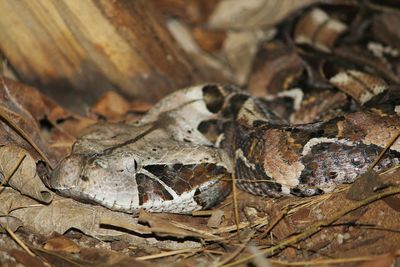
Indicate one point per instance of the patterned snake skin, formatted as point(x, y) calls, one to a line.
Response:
point(179, 156)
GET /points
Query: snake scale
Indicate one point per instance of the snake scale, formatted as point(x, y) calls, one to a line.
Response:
point(181, 155)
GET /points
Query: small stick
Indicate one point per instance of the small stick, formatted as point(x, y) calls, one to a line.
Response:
point(235, 204)
point(19, 241)
point(275, 222)
point(391, 142)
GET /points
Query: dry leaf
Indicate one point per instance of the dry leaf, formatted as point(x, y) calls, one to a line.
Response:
point(216, 218)
point(239, 50)
point(34, 122)
point(386, 260)
point(64, 214)
point(25, 259)
point(62, 244)
point(209, 40)
point(102, 257)
point(251, 14)
point(212, 68)
point(365, 186)
point(393, 202)
point(112, 106)
point(191, 11)
point(10, 222)
point(19, 168)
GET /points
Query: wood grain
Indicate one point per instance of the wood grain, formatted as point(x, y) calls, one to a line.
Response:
point(76, 50)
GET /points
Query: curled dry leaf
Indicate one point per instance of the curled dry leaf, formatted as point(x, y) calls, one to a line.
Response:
point(62, 244)
point(27, 115)
point(359, 85)
point(64, 214)
point(18, 169)
point(319, 30)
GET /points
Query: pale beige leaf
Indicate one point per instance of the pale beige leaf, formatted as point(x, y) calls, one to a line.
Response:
point(253, 14)
point(9, 222)
point(18, 168)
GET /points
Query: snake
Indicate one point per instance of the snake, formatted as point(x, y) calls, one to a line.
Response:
point(183, 154)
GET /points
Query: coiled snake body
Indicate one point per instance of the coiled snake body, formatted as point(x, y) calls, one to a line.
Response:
point(180, 155)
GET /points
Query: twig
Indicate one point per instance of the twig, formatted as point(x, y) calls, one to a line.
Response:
point(19, 241)
point(284, 212)
point(329, 261)
point(259, 222)
point(239, 249)
point(235, 204)
point(391, 142)
point(166, 254)
point(319, 225)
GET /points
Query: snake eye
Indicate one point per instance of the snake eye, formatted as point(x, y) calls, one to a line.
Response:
point(132, 166)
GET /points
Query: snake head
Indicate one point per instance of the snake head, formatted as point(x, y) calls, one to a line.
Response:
point(106, 180)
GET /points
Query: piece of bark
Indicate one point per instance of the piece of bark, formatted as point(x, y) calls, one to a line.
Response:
point(76, 50)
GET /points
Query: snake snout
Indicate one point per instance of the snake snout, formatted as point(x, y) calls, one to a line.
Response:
point(65, 174)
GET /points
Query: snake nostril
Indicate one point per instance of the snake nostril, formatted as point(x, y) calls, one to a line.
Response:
point(101, 163)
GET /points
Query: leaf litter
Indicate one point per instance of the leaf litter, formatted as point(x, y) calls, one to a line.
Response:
point(323, 230)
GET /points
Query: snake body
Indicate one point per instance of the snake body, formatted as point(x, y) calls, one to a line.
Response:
point(179, 156)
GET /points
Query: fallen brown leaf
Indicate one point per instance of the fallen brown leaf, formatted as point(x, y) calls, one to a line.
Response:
point(19, 168)
point(111, 106)
point(62, 244)
point(34, 122)
point(25, 259)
